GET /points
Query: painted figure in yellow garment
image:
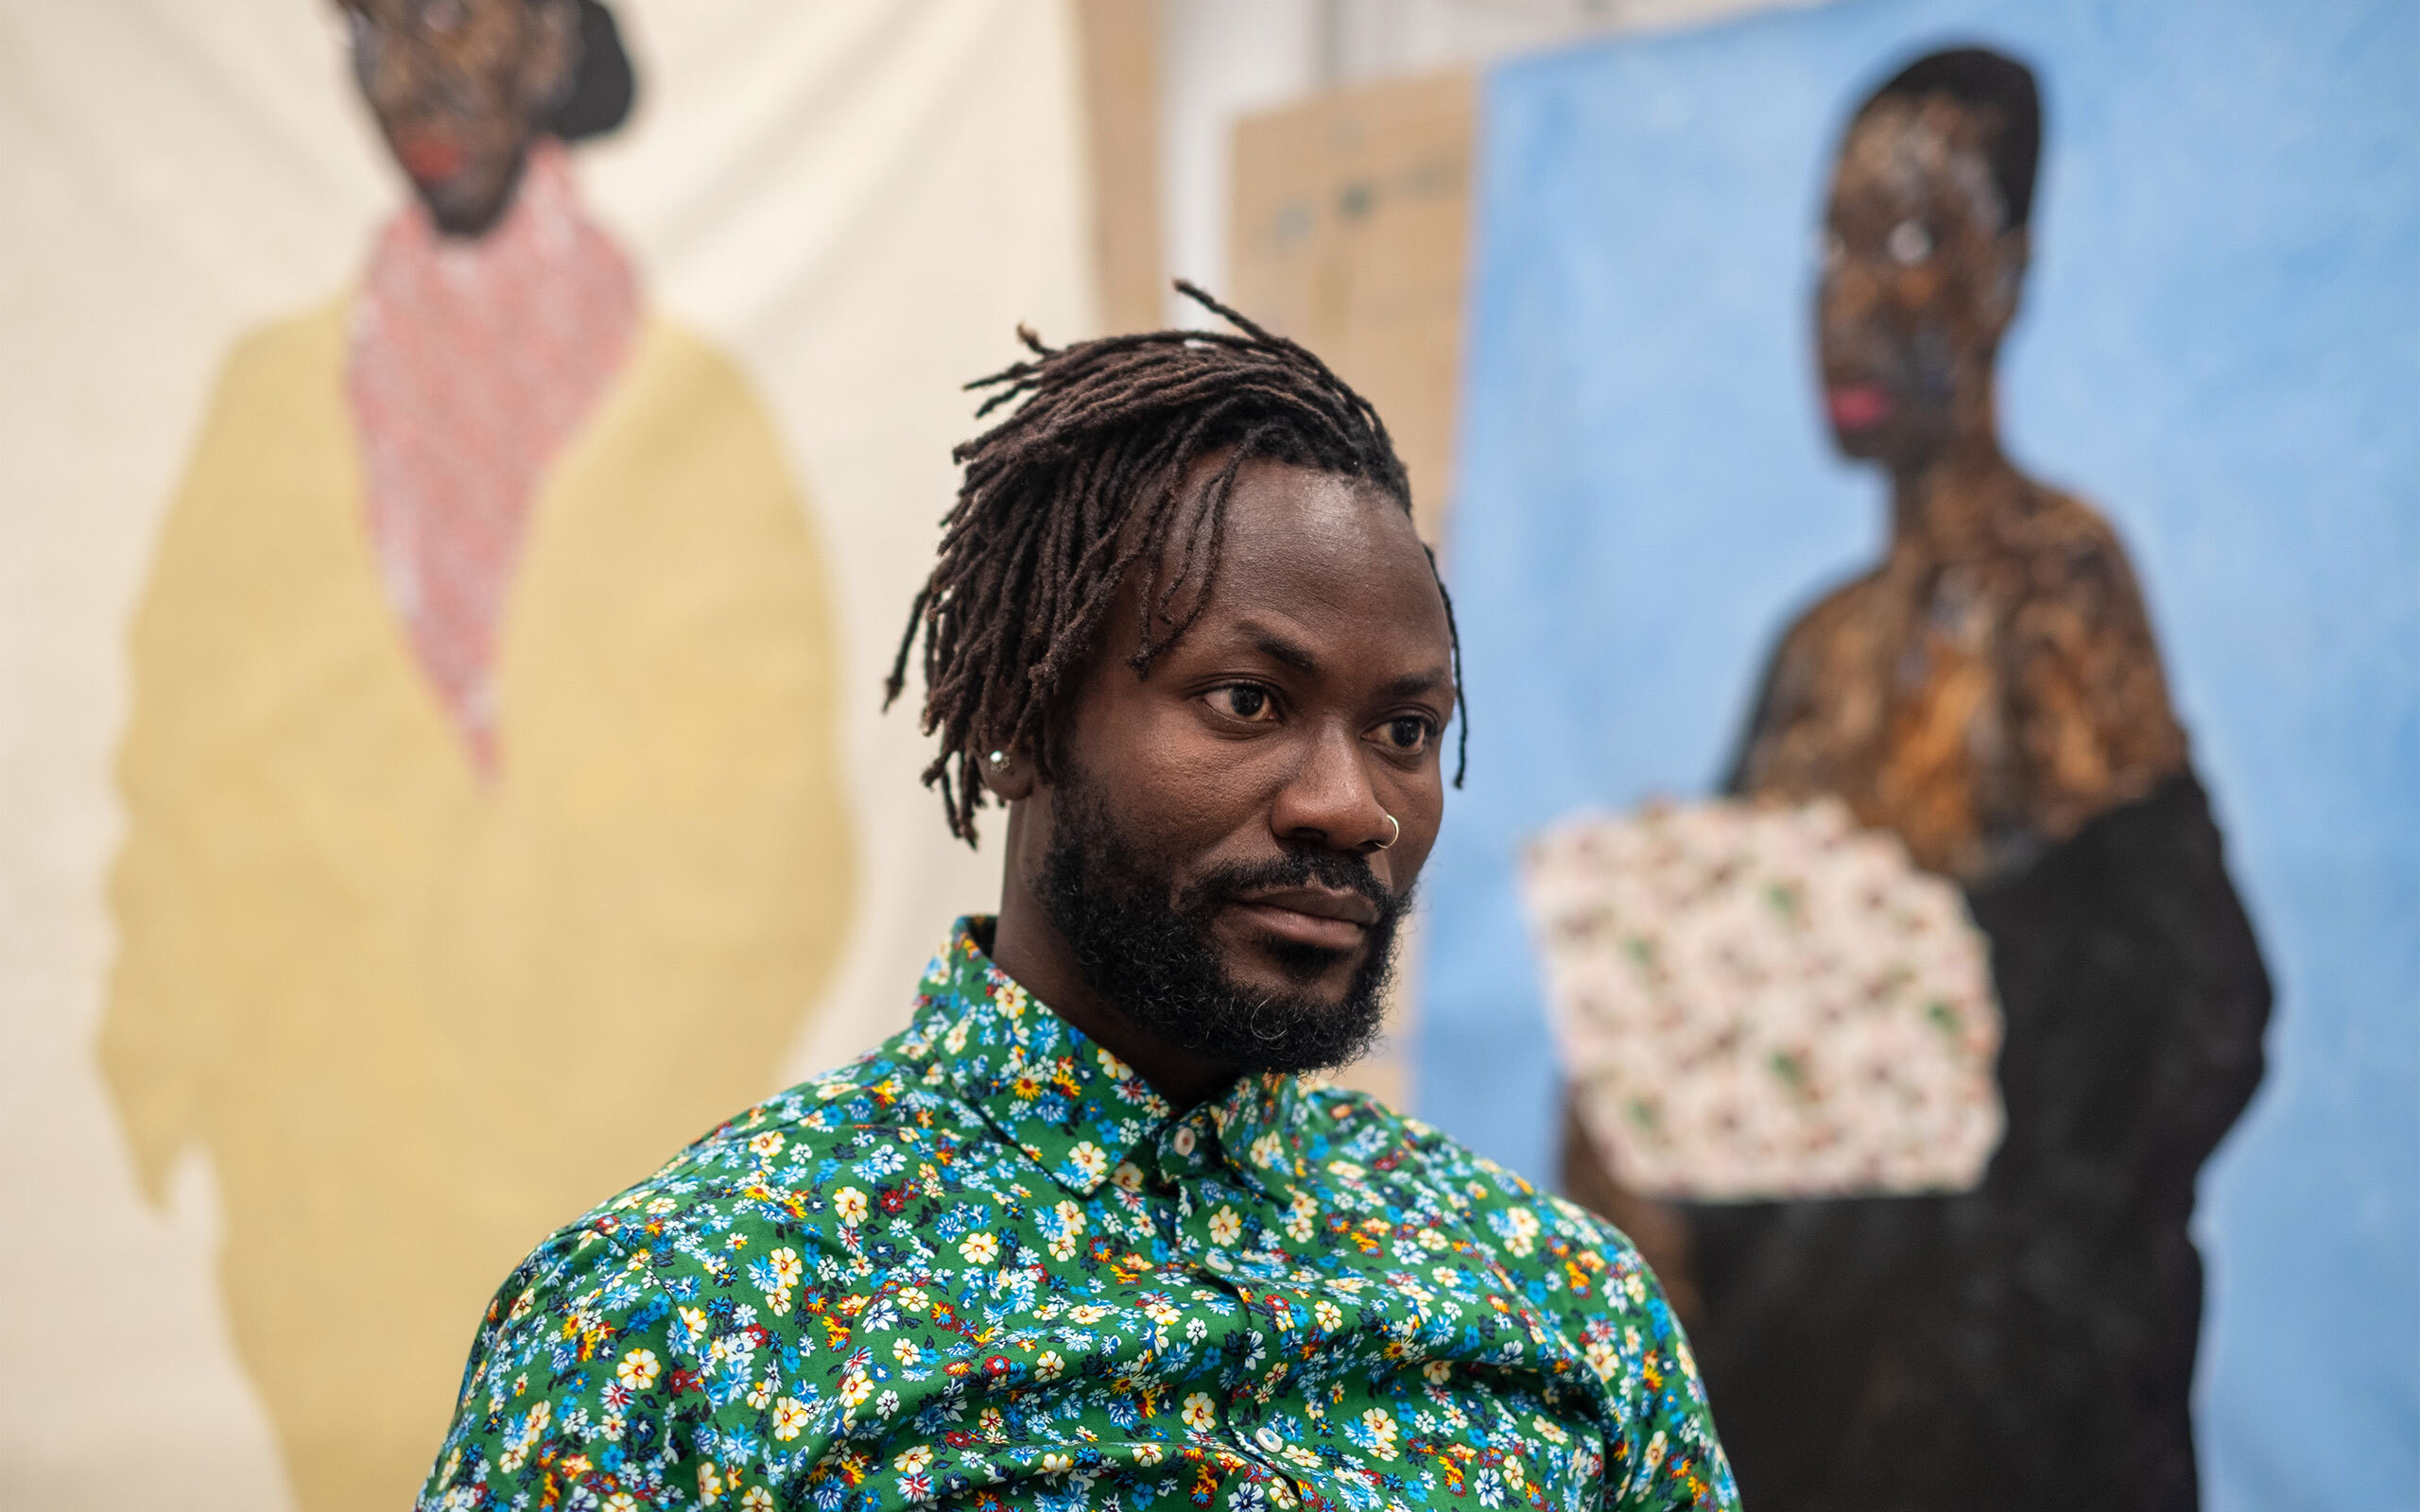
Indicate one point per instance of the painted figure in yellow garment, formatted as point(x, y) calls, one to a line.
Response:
point(485, 826)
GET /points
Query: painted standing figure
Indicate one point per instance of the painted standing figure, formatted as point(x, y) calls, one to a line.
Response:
point(1992, 693)
point(481, 747)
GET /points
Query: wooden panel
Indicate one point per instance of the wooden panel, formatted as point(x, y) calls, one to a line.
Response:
point(1120, 43)
point(1350, 228)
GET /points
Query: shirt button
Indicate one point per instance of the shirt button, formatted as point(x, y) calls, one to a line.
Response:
point(1184, 1140)
point(1268, 1439)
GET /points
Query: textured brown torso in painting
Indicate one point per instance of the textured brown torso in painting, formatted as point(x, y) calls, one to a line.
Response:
point(1982, 699)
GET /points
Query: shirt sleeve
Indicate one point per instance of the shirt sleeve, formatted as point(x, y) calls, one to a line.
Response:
point(593, 1383)
point(657, 1354)
point(546, 1370)
point(1666, 1456)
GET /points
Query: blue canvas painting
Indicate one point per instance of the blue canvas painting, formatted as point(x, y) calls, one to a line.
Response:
point(1974, 443)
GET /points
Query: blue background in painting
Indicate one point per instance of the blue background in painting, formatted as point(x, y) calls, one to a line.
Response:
point(2220, 347)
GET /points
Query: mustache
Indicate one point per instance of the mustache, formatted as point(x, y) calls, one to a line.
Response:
point(1303, 866)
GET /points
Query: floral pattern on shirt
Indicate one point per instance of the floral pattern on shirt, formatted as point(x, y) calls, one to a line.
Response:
point(988, 1267)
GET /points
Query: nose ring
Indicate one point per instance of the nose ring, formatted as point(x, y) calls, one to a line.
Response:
point(1397, 834)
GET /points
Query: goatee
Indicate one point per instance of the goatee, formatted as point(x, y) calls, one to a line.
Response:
point(1150, 950)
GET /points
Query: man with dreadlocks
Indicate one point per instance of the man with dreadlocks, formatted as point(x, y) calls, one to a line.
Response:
point(1080, 1237)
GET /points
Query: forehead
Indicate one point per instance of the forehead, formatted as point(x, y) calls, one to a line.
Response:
point(1907, 154)
point(1334, 556)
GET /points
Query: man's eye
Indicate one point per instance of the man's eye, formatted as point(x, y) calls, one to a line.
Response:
point(1408, 733)
point(1242, 700)
point(1910, 242)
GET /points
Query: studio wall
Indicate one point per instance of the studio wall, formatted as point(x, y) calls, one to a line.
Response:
point(443, 763)
point(2215, 348)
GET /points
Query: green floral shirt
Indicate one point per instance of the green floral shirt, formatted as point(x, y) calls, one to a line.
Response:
point(987, 1266)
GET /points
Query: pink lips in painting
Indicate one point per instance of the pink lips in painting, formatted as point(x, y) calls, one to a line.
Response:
point(1859, 407)
point(429, 159)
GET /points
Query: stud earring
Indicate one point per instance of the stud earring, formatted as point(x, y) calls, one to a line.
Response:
point(999, 758)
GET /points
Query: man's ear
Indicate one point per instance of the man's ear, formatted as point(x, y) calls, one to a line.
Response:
point(550, 67)
point(1008, 775)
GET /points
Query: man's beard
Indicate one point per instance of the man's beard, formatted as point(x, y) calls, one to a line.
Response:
point(1151, 952)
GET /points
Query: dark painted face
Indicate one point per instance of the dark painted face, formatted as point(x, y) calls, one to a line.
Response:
point(460, 88)
point(1920, 281)
point(1242, 801)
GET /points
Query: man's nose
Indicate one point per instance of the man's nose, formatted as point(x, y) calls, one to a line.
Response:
point(1329, 800)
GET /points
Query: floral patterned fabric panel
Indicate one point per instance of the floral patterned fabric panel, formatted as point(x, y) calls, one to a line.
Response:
point(1759, 1001)
point(987, 1266)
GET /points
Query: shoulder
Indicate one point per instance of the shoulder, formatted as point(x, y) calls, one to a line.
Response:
point(1347, 1129)
point(1827, 640)
point(683, 438)
point(1579, 1282)
point(621, 1322)
point(1841, 604)
point(676, 371)
point(1830, 645)
point(283, 380)
point(264, 502)
point(1840, 609)
point(2055, 519)
point(773, 1172)
point(778, 1161)
point(2072, 552)
point(1353, 1137)
point(313, 337)
point(685, 357)
point(2081, 617)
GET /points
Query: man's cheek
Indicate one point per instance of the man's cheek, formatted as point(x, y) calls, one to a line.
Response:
point(1199, 791)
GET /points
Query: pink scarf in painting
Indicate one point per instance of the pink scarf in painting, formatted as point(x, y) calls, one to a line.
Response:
point(474, 363)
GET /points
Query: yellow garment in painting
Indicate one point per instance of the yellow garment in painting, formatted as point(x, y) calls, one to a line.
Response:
point(418, 1018)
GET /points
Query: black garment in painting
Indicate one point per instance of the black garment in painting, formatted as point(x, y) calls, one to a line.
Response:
point(2029, 1344)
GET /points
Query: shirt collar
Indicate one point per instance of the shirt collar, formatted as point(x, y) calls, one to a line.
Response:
point(1072, 1106)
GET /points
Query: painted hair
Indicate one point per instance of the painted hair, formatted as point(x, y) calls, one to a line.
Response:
point(603, 88)
point(1979, 77)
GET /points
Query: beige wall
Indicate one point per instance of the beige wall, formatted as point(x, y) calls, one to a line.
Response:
point(855, 200)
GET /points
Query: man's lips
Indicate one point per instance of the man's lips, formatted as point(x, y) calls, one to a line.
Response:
point(1859, 407)
point(429, 159)
point(1312, 916)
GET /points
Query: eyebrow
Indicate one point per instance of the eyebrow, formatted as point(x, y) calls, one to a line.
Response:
point(1282, 651)
point(1292, 656)
point(1411, 682)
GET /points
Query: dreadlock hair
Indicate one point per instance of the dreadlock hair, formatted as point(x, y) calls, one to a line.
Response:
point(1083, 482)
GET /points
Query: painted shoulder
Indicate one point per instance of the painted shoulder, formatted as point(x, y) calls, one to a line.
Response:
point(316, 335)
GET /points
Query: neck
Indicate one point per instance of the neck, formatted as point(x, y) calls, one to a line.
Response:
point(1029, 948)
point(1944, 504)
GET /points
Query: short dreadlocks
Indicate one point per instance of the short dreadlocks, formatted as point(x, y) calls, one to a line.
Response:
point(1101, 440)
